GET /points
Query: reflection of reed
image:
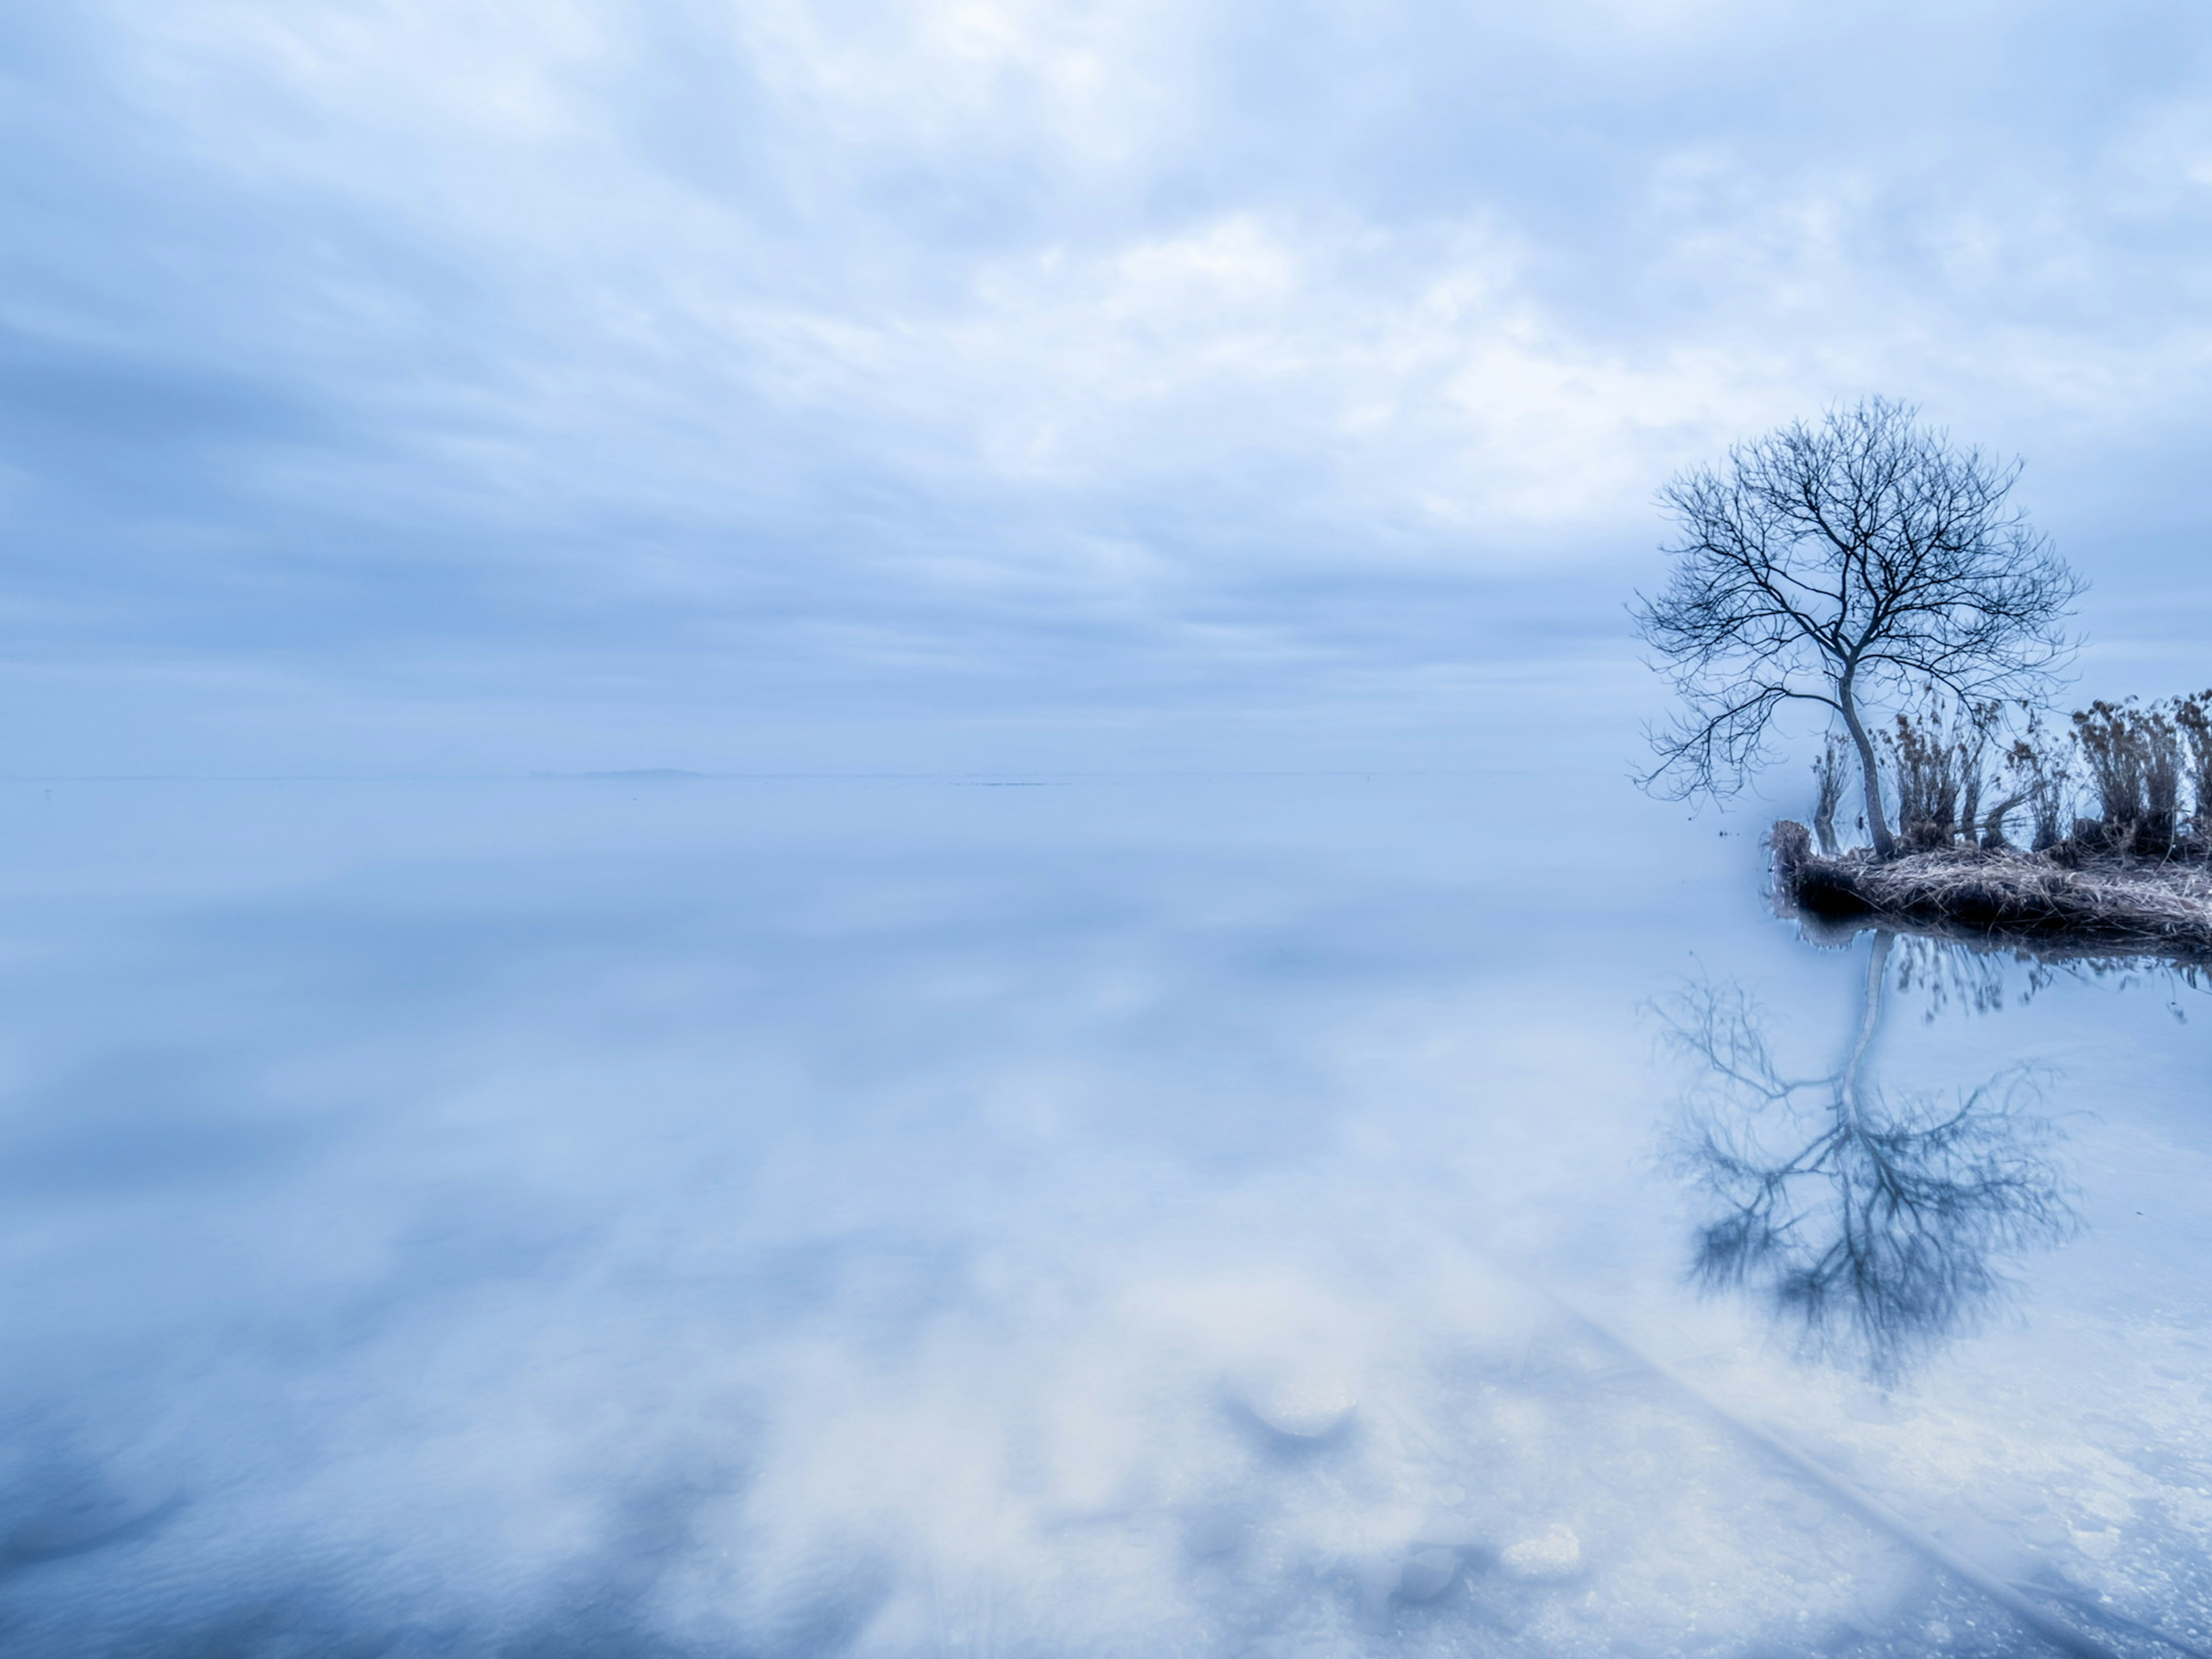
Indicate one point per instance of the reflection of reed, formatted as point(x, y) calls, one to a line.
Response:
point(1877, 1220)
point(1980, 978)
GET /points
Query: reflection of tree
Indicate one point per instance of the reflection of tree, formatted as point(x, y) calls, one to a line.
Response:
point(1879, 1220)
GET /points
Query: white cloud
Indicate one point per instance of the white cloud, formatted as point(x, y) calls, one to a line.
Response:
point(886, 309)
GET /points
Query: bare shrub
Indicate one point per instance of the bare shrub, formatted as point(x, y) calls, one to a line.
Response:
point(2133, 757)
point(1938, 765)
point(2100, 732)
point(1993, 822)
point(2162, 771)
point(2039, 768)
point(2192, 719)
point(2020, 773)
point(1973, 729)
point(1830, 772)
point(1927, 786)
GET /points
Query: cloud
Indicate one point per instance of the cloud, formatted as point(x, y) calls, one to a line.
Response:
point(882, 335)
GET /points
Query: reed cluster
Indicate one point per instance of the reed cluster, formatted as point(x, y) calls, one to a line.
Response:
point(2116, 805)
point(2128, 778)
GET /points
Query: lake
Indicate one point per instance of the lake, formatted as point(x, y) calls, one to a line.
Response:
point(1055, 1214)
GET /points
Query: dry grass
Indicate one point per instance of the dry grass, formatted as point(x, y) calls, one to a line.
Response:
point(2059, 902)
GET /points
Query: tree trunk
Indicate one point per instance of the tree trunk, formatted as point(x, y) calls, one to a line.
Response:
point(1884, 845)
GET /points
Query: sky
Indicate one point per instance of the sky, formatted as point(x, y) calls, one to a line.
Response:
point(458, 385)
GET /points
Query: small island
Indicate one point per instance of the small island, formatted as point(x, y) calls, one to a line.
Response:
point(2058, 903)
point(1863, 562)
point(2114, 867)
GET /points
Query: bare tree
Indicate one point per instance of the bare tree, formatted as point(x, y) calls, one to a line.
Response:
point(1859, 560)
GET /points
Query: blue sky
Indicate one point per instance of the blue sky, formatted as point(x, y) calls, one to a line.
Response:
point(451, 384)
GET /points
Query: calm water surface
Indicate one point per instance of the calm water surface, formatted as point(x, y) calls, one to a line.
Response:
point(1060, 1216)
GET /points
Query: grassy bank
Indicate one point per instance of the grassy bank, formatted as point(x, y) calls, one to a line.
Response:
point(2068, 899)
